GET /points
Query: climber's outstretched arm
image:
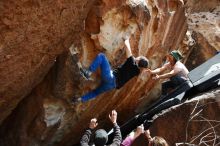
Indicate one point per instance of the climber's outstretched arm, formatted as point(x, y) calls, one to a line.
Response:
point(159, 70)
point(128, 48)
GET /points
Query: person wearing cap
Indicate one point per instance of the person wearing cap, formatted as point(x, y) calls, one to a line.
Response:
point(112, 78)
point(177, 72)
point(100, 135)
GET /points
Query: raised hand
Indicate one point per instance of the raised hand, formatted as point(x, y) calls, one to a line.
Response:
point(113, 116)
point(139, 130)
point(147, 134)
point(93, 123)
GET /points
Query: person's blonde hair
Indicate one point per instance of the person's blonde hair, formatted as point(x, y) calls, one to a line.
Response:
point(158, 141)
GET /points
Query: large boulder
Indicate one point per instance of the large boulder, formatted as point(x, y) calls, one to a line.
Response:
point(33, 34)
point(195, 122)
point(38, 75)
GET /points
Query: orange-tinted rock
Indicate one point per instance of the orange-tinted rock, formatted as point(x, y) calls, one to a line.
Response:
point(203, 21)
point(201, 5)
point(33, 34)
point(197, 121)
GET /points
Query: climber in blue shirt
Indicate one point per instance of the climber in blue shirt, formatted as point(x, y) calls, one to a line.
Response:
point(111, 79)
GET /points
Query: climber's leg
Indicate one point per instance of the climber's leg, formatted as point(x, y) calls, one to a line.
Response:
point(102, 62)
point(105, 86)
point(108, 79)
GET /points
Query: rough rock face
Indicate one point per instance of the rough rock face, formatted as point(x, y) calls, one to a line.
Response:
point(195, 122)
point(203, 30)
point(33, 34)
point(38, 76)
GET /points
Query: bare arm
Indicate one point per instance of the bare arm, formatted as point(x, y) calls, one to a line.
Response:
point(147, 134)
point(128, 48)
point(168, 75)
point(159, 70)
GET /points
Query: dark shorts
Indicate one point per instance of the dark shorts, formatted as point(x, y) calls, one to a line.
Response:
point(174, 82)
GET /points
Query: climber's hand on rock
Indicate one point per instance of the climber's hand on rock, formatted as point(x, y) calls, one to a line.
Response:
point(126, 38)
point(93, 123)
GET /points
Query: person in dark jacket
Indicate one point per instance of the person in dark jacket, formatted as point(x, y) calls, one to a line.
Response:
point(101, 136)
point(111, 79)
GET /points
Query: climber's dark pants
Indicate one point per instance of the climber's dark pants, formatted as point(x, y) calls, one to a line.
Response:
point(174, 82)
point(108, 79)
point(161, 104)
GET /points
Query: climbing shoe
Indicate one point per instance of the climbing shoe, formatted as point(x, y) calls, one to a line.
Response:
point(76, 100)
point(85, 73)
point(73, 50)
